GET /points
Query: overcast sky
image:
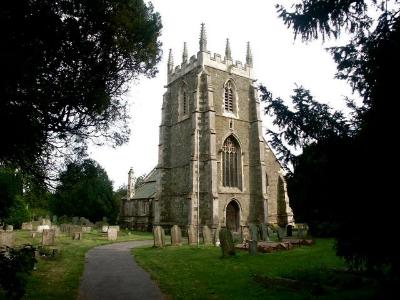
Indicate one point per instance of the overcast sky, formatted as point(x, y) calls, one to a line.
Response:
point(279, 63)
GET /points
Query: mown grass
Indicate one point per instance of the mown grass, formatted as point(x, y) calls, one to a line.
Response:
point(200, 273)
point(59, 277)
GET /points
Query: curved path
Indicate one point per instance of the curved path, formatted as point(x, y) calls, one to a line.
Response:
point(111, 273)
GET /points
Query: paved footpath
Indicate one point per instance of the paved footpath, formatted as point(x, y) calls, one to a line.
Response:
point(112, 274)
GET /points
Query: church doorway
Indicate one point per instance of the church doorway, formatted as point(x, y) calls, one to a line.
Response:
point(233, 216)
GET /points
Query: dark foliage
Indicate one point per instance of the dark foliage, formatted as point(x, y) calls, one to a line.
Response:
point(343, 181)
point(85, 191)
point(16, 265)
point(65, 65)
point(10, 188)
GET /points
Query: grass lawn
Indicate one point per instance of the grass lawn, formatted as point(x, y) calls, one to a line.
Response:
point(200, 273)
point(59, 278)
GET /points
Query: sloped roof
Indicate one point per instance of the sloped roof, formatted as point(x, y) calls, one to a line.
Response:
point(149, 187)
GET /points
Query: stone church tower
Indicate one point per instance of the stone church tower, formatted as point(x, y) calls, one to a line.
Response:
point(214, 166)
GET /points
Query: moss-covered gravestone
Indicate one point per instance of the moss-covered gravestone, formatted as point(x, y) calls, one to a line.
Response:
point(264, 232)
point(253, 232)
point(159, 236)
point(207, 236)
point(227, 246)
point(192, 235)
point(176, 236)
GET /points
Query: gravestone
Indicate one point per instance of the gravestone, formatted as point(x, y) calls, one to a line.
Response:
point(7, 238)
point(64, 228)
point(302, 230)
point(33, 234)
point(73, 229)
point(104, 228)
point(77, 235)
point(207, 236)
point(35, 225)
point(56, 228)
point(192, 235)
point(45, 221)
point(216, 237)
point(253, 232)
point(176, 236)
point(112, 234)
point(9, 228)
point(159, 236)
point(227, 246)
point(75, 220)
point(289, 230)
point(252, 247)
point(281, 233)
point(86, 228)
point(116, 227)
point(40, 228)
point(264, 232)
point(27, 226)
point(48, 237)
point(55, 219)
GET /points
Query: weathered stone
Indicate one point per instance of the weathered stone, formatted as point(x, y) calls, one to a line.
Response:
point(281, 233)
point(86, 229)
point(252, 247)
point(246, 233)
point(7, 238)
point(33, 234)
point(48, 237)
point(64, 228)
point(75, 220)
point(104, 228)
point(207, 236)
point(159, 236)
point(27, 226)
point(46, 221)
point(112, 234)
point(72, 229)
point(264, 232)
point(254, 232)
point(84, 221)
point(35, 224)
point(302, 230)
point(216, 240)
point(9, 228)
point(40, 228)
point(116, 227)
point(176, 236)
point(55, 219)
point(77, 235)
point(57, 230)
point(192, 235)
point(227, 246)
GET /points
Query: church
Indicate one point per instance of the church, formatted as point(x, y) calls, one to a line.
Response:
point(214, 166)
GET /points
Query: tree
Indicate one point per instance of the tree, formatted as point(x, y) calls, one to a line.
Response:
point(65, 65)
point(85, 191)
point(10, 189)
point(353, 170)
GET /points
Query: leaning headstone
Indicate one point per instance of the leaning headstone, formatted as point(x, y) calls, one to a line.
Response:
point(159, 236)
point(253, 232)
point(40, 228)
point(104, 228)
point(116, 227)
point(9, 228)
point(227, 246)
point(77, 235)
point(264, 232)
point(26, 226)
point(48, 237)
point(112, 234)
point(192, 235)
point(7, 238)
point(176, 236)
point(207, 236)
point(252, 247)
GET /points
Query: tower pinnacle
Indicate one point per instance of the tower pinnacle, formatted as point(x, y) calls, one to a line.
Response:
point(228, 53)
point(170, 61)
point(185, 53)
point(203, 38)
point(249, 56)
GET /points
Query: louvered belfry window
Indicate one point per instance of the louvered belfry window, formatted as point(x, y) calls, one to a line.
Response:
point(228, 96)
point(184, 103)
point(231, 166)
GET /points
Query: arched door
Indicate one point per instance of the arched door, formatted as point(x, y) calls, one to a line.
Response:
point(233, 216)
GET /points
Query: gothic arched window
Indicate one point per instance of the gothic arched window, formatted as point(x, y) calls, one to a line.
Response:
point(231, 163)
point(228, 96)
